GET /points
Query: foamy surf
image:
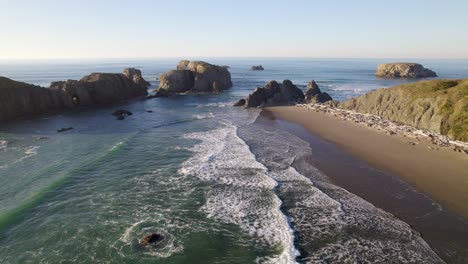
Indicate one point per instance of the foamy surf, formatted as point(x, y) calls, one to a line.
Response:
point(332, 224)
point(3, 144)
point(244, 194)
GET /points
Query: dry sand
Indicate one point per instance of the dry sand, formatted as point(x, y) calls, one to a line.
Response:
point(432, 168)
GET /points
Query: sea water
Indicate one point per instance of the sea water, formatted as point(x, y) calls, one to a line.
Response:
point(220, 187)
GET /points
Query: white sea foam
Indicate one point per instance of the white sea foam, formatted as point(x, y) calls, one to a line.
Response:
point(3, 144)
point(116, 146)
point(204, 116)
point(244, 191)
point(26, 153)
point(335, 226)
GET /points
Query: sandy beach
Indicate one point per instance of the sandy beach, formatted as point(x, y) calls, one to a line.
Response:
point(438, 171)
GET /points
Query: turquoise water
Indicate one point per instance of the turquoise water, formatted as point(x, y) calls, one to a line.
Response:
point(219, 186)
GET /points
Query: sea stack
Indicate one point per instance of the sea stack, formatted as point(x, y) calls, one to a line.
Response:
point(314, 95)
point(194, 77)
point(257, 68)
point(273, 94)
point(18, 99)
point(403, 70)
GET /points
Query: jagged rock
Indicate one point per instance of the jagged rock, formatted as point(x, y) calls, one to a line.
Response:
point(151, 239)
point(439, 106)
point(403, 70)
point(257, 68)
point(135, 75)
point(273, 94)
point(19, 99)
point(194, 77)
point(241, 102)
point(314, 95)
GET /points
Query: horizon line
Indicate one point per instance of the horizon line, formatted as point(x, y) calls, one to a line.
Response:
point(223, 57)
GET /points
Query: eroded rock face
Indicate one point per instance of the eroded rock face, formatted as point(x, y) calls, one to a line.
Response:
point(440, 106)
point(403, 70)
point(135, 75)
point(177, 81)
point(314, 95)
point(102, 88)
point(19, 99)
point(273, 94)
point(194, 77)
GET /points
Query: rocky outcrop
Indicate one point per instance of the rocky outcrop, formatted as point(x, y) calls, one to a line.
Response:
point(273, 94)
point(135, 75)
point(103, 88)
point(151, 239)
point(439, 106)
point(194, 77)
point(257, 68)
point(403, 70)
point(314, 95)
point(19, 99)
point(176, 81)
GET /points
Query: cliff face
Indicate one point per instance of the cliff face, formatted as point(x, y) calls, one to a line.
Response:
point(439, 106)
point(100, 88)
point(403, 70)
point(18, 99)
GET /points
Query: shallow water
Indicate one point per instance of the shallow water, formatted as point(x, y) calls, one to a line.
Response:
point(219, 186)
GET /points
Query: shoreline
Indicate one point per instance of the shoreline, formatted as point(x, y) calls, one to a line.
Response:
point(437, 171)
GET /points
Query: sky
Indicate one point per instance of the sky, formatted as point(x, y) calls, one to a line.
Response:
point(94, 29)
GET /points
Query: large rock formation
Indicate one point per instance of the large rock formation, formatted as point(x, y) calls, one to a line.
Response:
point(18, 99)
point(403, 70)
point(439, 106)
point(176, 81)
point(103, 88)
point(314, 95)
point(194, 77)
point(273, 94)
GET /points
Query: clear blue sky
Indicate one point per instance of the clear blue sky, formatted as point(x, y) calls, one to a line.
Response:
point(255, 28)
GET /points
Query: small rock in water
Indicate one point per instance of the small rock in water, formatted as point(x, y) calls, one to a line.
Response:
point(64, 129)
point(149, 111)
point(151, 239)
point(122, 113)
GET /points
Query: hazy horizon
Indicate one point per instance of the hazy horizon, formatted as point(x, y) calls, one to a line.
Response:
point(88, 30)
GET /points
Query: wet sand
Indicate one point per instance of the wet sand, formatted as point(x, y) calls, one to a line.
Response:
point(440, 172)
point(443, 229)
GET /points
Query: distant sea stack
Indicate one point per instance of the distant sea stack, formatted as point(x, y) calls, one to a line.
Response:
point(273, 94)
point(257, 68)
point(194, 77)
point(403, 70)
point(440, 106)
point(314, 95)
point(18, 99)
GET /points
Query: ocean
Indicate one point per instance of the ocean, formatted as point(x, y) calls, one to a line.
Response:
point(220, 186)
